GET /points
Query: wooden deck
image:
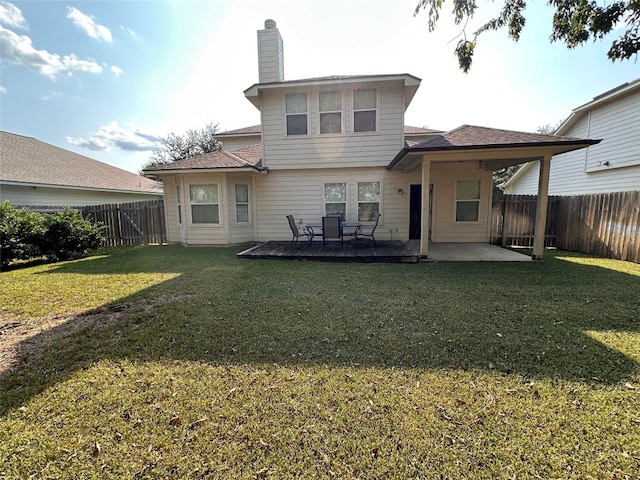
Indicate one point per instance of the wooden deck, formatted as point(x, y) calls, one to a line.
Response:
point(351, 251)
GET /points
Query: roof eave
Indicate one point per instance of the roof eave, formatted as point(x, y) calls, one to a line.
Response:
point(78, 187)
point(174, 171)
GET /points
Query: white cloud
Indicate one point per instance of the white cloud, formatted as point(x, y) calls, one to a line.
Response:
point(18, 49)
point(3, 89)
point(117, 71)
point(11, 16)
point(128, 138)
point(128, 30)
point(88, 25)
point(51, 96)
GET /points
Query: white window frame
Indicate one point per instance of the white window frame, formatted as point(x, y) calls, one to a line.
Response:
point(179, 202)
point(287, 114)
point(192, 203)
point(358, 201)
point(355, 110)
point(346, 197)
point(331, 112)
point(478, 201)
point(237, 203)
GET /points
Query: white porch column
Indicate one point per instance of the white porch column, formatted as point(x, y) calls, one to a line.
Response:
point(541, 208)
point(424, 214)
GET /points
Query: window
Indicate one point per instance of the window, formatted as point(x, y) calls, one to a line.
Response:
point(204, 203)
point(330, 108)
point(179, 202)
point(242, 203)
point(368, 201)
point(335, 198)
point(296, 108)
point(365, 104)
point(467, 200)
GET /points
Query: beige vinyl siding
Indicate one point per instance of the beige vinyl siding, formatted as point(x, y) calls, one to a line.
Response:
point(327, 151)
point(171, 208)
point(240, 232)
point(231, 144)
point(66, 197)
point(206, 234)
point(300, 193)
point(444, 227)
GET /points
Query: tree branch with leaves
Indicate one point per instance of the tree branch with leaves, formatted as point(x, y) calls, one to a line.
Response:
point(574, 23)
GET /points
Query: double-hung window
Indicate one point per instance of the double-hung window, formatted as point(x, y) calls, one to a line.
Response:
point(467, 200)
point(296, 113)
point(205, 204)
point(242, 202)
point(368, 201)
point(335, 198)
point(179, 202)
point(330, 108)
point(365, 110)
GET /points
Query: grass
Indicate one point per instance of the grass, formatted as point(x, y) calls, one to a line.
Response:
point(196, 364)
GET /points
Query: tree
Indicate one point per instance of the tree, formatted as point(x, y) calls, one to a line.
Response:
point(574, 23)
point(178, 147)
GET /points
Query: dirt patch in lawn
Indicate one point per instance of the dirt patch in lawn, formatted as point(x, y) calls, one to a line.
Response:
point(24, 340)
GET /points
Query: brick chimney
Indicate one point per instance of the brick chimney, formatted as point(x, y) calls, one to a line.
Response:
point(270, 54)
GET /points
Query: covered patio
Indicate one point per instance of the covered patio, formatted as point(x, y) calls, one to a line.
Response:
point(383, 252)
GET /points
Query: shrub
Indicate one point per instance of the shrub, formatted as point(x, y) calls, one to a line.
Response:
point(25, 234)
point(20, 233)
point(67, 234)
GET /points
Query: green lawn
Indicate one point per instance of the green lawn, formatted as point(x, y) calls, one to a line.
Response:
point(191, 363)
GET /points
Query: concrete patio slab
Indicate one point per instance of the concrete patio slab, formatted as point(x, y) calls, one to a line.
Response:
point(472, 252)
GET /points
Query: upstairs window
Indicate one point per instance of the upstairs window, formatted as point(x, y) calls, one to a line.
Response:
point(335, 198)
point(365, 110)
point(368, 201)
point(467, 200)
point(330, 108)
point(204, 203)
point(296, 113)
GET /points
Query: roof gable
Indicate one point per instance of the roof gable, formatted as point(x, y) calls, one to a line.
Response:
point(31, 161)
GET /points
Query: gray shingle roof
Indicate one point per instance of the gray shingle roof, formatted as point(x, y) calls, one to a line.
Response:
point(28, 160)
point(244, 157)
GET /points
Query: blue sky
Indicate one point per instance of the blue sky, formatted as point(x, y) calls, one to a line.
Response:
point(106, 79)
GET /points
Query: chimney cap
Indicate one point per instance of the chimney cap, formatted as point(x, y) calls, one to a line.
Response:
point(268, 24)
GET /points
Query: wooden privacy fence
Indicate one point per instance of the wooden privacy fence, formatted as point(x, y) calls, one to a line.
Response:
point(604, 225)
point(514, 217)
point(135, 223)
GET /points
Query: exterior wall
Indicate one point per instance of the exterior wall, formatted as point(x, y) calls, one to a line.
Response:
point(235, 143)
point(444, 228)
point(584, 171)
point(332, 150)
point(65, 197)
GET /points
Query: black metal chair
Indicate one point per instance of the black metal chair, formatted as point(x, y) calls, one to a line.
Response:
point(331, 229)
point(295, 231)
point(368, 231)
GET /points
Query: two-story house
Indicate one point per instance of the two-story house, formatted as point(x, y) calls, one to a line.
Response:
point(339, 144)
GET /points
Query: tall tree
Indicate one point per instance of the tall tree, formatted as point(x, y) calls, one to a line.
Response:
point(574, 23)
point(192, 143)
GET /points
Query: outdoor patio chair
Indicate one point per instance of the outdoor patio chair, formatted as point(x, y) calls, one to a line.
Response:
point(368, 231)
point(295, 231)
point(331, 230)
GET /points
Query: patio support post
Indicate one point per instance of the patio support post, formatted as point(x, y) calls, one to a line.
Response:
point(541, 208)
point(424, 214)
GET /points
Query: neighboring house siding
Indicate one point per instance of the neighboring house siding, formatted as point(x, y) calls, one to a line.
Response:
point(577, 173)
point(344, 150)
point(65, 197)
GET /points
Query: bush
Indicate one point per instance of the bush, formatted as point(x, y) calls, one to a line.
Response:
point(20, 233)
point(25, 234)
point(67, 234)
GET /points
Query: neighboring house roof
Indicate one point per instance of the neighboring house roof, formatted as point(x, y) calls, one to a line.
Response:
point(248, 158)
point(410, 82)
point(419, 130)
point(474, 138)
point(28, 161)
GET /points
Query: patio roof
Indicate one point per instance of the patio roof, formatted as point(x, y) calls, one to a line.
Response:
point(494, 148)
